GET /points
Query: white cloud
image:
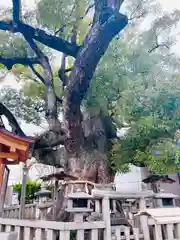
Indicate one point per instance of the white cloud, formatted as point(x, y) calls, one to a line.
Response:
point(170, 5)
point(8, 3)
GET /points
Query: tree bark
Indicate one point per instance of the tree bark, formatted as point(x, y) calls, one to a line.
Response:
point(88, 163)
point(90, 166)
point(106, 26)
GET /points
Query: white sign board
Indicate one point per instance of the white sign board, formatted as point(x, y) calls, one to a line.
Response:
point(15, 200)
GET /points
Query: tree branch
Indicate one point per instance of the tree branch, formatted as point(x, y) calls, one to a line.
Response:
point(50, 138)
point(154, 48)
point(136, 8)
point(51, 104)
point(106, 25)
point(136, 17)
point(115, 4)
point(37, 74)
point(10, 62)
point(68, 70)
point(62, 73)
point(102, 32)
point(11, 119)
point(100, 5)
point(132, 16)
point(61, 29)
point(157, 45)
point(16, 11)
point(41, 36)
point(49, 156)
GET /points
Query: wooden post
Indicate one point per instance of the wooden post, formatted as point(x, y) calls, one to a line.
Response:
point(3, 188)
point(78, 217)
point(159, 202)
point(142, 204)
point(23, 193)
point(2, 168)
point(144, 220)
point(106, 218)
point(55, 199)
point(174, 202)
point(158, 232)
point(97, 206)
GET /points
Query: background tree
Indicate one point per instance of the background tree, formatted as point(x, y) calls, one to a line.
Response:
point(31, 189)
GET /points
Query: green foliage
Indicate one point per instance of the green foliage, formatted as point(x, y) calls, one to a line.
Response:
point(110, 78)
point(153, 117)
point(31, 189)
point(149, 102)
point(28, 108)
point(13, 46)
point(61, 16)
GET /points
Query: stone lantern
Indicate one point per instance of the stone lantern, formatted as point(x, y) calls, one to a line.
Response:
point(79, 204)
point(43, 195)
point(155, 179)
point(44, 202)
point(58, 177)
point(165, 200)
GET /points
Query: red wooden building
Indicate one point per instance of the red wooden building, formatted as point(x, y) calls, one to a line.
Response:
point(13, 150)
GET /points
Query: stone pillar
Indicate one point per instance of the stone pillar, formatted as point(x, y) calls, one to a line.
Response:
point(23, 192)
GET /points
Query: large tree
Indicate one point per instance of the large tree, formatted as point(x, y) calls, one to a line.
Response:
point(81, 31)
point(83, 159)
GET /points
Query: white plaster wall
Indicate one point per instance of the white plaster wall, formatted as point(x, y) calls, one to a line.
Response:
point(15, 175)
point(131, 181)
point(171, 188)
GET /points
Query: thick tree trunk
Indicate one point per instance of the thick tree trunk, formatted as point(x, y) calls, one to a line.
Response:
point(90, 166)
point(90, 161)
point(84, 136)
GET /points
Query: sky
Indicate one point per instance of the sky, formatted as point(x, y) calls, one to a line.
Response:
point(167, 5)
point(170, 5)
point(16, 174)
